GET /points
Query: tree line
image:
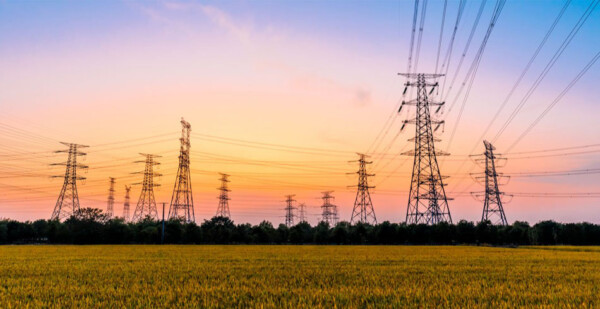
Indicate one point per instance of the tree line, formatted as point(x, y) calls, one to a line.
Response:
point(91, 226)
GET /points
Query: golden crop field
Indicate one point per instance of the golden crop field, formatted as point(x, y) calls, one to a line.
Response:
point(297, 276)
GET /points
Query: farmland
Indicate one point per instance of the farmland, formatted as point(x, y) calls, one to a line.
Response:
point(297, 276)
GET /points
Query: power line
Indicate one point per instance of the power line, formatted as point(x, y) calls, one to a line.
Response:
point(548, 66)
point(555, 101)
point(466, 49)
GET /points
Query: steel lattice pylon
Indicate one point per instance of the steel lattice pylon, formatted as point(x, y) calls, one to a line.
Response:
point(363, 206)
point(67, 203)
point(182, 201)
point(110, 204)
point(146, 205)
point(427, 202)
point(126, 204)
point(329, 211)
point(493, 210)
point(223, 208)
point(302, 212)
point(289, 210)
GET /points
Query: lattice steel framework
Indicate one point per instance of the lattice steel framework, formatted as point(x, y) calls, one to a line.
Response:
point(302, 212)
point(289, 210)
point(223, 208)
point(146, 205)
point(182, 201)
point(493, 210)
point(329, 211)
point(427, 201)
point(67, 203)
point(363, 206)
point(110, 204)
point(126, 203)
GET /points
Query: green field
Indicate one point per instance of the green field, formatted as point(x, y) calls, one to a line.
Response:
point(297, 276)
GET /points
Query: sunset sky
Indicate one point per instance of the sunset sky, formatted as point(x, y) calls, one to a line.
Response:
point(282, 94)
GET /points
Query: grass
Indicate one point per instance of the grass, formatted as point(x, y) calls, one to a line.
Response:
point(296, 276)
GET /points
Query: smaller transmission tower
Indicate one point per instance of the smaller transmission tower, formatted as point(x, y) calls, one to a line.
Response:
point(110, 205)
point(363, 206)
point(67, 203)
point(493, 210)
point(329, 215)
point(146, 205)
point(223, 208)
point(289, 210)
point(126, 204)
point(302, 214)
point(182, 201)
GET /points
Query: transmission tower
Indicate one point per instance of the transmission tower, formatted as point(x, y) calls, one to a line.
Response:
point(223, 208)
point(329, 214)
point(67, 203)
point(126, 203)
point(363, 206)
point(111, 198)
point(427, 202)
point(289, 210)
point(182, 201)
point(493, 210)
point(146, 205)
point(302, 214)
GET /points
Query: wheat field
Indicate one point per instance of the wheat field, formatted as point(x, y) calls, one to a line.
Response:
point(297, 276)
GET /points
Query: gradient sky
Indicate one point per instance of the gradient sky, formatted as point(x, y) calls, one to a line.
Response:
point(320, 77)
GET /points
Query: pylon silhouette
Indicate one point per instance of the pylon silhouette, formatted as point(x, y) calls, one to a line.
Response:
point(110, 205)
point(363, 206)
point(67, 203)
point(126, 203)
point(493, 210)
point(329, 211)
point(289, 210)
point(223, 208)
point(302, 212)
point(146, 205)
point(182, 201)
point(427, 202)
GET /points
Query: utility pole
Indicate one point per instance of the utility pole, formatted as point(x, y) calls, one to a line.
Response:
point(146, 205)
point(289, 210)
point(67, 203)
point(427, 201)
point(110, 205)
point(329, 214)
point(493, 210)
point(126, 204)
point(223, 208)
point(302, 210)
point(182, 201)
point(363, 206)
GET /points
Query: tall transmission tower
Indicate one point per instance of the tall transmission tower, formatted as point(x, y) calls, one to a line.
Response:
point(110, 205)
point(182, 201)
point(126, 203)
point(223, 208)
point(329, 214)
point(67, 203)
point(427, 201)
point(363, 206)
point(146, 205)
point(493, 210)
point(302, 214)
point(289, 210)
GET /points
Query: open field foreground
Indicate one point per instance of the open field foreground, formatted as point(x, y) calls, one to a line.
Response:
point(297, 276)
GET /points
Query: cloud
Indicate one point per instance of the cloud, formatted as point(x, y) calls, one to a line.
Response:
point(269, 49)
point(217, 16)
point(363, 97)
